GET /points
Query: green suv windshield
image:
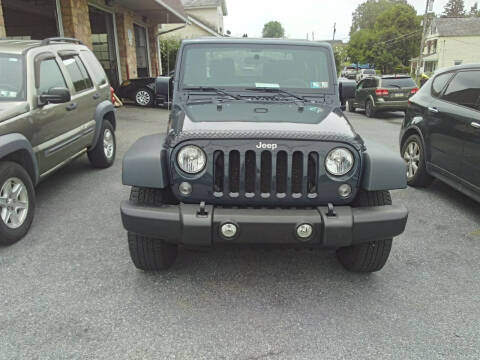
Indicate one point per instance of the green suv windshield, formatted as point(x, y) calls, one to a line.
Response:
point(12, 84)
point(241, 66)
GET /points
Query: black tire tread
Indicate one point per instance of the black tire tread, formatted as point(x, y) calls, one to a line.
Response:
point(147, 253)
point(371, 256)
point(97, 155)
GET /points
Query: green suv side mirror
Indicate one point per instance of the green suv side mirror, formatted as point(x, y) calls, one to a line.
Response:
point(56, 95)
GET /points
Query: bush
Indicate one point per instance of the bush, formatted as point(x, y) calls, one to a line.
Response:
point(168, 53)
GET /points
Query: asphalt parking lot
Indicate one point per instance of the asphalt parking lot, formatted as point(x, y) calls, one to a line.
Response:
point(69, 290)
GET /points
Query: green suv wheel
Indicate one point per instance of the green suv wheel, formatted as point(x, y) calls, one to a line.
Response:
point(373, 255)
point(17, 202)
point(147, 253)
point(103, 154)
point(369, 109)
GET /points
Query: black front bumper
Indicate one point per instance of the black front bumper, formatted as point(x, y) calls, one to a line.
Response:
point(188, 225)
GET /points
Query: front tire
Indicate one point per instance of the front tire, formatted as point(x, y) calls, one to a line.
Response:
point(371, 256)
point(351, 108)
point(414, 155)
point(17, 203)
point(103, 154)
point(148, 253)
point(144, 97)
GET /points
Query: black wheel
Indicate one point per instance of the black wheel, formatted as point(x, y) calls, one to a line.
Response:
point(103, 154)
point(17, 202)
point(351, 108)
point(144, 97)
point(414, 156)
point(147, 253)
point(369, 109)
point(371, 256)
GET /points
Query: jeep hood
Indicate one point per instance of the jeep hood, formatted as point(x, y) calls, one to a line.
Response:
point(265, 121)
point(10, 109)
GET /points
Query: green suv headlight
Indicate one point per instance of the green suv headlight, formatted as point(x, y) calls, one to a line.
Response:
point(339, 161)
point(191, 159)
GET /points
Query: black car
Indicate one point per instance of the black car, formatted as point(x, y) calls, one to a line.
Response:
point(440, 135)
point(259, 152)
point(146, 92)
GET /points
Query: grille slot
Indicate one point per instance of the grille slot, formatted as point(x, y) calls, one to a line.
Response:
point(234, 171)
point(250, 172)
point(218, 171)
point(266, 173)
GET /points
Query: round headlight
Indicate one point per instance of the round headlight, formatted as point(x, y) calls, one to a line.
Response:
point(191, 159)
point(339, 161)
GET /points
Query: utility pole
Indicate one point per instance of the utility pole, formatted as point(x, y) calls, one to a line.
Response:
point(334, 30)
point(428, 6)
point(313, 36)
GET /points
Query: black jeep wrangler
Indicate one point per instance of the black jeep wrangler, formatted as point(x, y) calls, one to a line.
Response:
point(258, 151)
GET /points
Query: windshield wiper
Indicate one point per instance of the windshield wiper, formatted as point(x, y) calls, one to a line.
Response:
point(277, 90)
point(214, 89)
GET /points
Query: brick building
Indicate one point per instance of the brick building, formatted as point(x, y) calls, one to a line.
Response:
point(122, 33)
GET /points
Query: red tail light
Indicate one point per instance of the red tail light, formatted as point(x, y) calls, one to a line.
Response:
point(414, 91)
point(112, 94)
point(381, 92)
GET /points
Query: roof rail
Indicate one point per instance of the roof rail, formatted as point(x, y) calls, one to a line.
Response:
point(47, 41)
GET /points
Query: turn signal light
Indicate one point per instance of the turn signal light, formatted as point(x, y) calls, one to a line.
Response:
point(381, 92)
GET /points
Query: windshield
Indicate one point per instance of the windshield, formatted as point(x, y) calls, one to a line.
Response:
point(240, 66)
point(398, 82)
point(12, 85)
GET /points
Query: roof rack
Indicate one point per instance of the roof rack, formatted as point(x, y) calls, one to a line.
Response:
point(47, 41)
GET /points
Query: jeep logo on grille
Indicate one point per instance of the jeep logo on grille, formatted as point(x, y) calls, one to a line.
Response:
point(261, 145)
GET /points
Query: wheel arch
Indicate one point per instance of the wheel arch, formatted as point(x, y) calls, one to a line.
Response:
point(413, 130)
point(16, 148)
point(104, 111)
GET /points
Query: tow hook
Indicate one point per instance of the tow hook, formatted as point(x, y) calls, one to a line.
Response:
point(201, 210)
point(331, 211)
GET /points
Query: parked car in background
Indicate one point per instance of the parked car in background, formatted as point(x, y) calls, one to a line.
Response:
point(364, 73)
point(55, 105)
point(145, 92)
point(383, 93)
point(349, 72)
point(440, 136)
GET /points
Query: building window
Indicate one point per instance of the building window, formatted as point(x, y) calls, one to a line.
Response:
point(458, 62)
point(435, 42)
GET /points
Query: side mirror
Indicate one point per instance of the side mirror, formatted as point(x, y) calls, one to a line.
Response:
point(347, 91)
point(55, 95)
point(164, 88)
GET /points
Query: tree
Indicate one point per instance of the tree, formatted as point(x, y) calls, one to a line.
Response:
point(474, 12)
point(366, 14)
point(454, 8)
point(273, 29)
point(168, 51)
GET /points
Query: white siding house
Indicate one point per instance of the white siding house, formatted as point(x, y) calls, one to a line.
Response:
point(449, 42)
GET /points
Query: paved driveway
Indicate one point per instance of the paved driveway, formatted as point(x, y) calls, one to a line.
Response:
point(69, 290)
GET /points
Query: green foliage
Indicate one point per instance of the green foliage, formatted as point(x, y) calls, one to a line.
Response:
point(273, 29)
point(168, 51)
point(454, 8)
point(391, 41)
point(366, 14)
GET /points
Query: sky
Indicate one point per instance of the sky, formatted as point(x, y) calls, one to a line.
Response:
point(300, 17)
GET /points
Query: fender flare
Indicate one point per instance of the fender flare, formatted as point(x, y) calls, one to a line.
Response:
point(14, 142)
point(384, 169)
point(146, 163)
point(104, 108)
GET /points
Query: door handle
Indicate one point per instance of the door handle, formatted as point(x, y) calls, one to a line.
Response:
point(96, 96)
point(433, 110)
point(71, 107)
point(475, 125)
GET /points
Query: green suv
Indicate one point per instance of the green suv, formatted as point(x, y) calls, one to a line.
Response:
point(383, 93)
point(55, 105)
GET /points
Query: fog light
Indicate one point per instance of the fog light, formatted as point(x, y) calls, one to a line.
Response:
point(344, 190)
point(229, 230)
point(185, 188)
point(304, 231)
